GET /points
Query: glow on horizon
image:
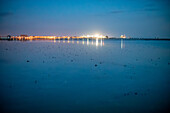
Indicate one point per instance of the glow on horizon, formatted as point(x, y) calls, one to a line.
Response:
point(93, 36)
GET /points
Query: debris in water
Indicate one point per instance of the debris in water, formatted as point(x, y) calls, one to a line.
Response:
point(36, 81)
point(126, 94)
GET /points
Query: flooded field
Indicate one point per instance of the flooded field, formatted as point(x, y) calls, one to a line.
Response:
point(85, 76)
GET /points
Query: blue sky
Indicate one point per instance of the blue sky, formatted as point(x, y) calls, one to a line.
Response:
point(135, 18)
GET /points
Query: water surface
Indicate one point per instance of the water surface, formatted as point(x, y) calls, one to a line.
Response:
point(85, 76)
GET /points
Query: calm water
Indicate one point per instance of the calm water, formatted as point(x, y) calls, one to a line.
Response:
point(99, 76)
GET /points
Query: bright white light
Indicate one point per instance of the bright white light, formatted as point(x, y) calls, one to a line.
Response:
point(96, 35)
point(97, 42)
point(87, 41)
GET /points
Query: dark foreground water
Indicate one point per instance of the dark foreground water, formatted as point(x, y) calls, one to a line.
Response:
point(110, 76)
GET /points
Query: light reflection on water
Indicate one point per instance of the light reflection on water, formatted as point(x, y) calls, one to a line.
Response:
point(94, 42)
point(97, 42)
point(54, 41)
point(101, 43)
point(63, 90)
point(122, 45)
point(87, 41)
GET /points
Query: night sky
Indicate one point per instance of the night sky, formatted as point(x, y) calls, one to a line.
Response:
point(135, 18)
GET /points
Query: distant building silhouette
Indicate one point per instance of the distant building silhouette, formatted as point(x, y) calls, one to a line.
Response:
point(23, 36)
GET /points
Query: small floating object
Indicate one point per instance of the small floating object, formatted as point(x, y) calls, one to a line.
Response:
point(36, 81)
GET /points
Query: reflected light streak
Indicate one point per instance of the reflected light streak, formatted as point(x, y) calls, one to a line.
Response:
point(72, 41)
point(97, 42)
point(101, 42)
point(122, 45)
point(54, 41)
point(87, 41)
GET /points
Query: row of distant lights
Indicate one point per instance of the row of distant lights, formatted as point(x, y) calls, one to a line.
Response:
point(54, 37)
point(94, 36)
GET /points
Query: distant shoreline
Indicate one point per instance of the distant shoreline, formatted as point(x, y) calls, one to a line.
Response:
point(141, 39)
point(147, 39)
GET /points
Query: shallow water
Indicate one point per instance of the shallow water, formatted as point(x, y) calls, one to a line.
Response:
point(120, 76)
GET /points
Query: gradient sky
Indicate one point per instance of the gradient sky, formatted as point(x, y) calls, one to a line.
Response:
point(135, 18)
